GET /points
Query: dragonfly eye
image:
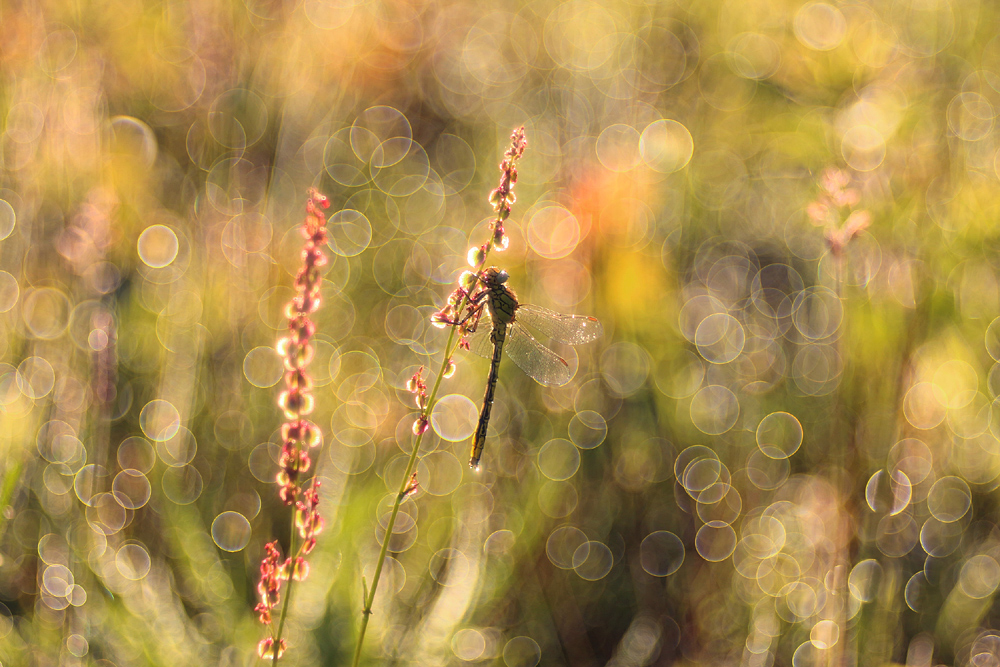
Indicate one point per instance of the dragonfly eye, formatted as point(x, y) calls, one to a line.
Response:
point(502, 277)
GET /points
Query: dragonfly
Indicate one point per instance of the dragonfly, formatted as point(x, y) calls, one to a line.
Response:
point(496, 324)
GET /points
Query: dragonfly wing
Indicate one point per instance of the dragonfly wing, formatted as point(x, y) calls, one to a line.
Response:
point(539, 362)
point(568, 329)
point(479, 341)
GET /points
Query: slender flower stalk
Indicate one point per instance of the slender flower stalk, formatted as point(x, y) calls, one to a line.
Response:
point(460, 300)
point(834, 210)
point(298, 435)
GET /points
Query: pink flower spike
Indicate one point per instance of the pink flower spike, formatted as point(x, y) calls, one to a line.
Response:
point(298, 435)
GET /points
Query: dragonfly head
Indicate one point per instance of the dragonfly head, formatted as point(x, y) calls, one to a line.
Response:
point(495, 276)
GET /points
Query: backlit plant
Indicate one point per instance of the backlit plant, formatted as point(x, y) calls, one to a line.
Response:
point(298, 435)
point(501, 198)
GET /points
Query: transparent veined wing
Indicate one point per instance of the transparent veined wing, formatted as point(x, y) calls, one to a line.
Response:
point(479, 341)
point(539, 362)
point(568, 329)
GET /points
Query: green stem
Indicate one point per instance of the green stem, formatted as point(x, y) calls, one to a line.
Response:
point(10, 480)
point(367, 610)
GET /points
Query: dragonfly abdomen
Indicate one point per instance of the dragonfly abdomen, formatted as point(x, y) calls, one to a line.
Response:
point(497, 337)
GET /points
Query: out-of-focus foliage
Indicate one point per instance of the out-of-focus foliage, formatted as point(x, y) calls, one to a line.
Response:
point(784, 451)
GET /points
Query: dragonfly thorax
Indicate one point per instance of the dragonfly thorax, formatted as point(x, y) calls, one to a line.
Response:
point(500, 300)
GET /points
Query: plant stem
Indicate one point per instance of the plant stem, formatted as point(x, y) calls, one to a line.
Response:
point(501, 200)
point(450, 348)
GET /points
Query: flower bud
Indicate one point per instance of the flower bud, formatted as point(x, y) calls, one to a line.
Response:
point(295, 403)
point(317, 197)
point(301, 519)
point(297, 379)
point(476, 256)
point(284, 570)
point(857, 222)
point(309, 523)
point(412, 486)
point(313, 436)
point(301, 431)
point(302, 329)
point(288, 493)
point(467, 280)
point(319, 257)
point(496, 198)
point(265, 649)
point(439, 320)
point(449, 369)
point(300, 570)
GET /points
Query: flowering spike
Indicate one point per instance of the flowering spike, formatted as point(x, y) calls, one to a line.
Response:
point(298, 435)
point(416, 383)
point(827, 209)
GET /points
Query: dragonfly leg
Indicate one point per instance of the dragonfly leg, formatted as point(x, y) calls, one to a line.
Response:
point(474, 309)
point(475, 313)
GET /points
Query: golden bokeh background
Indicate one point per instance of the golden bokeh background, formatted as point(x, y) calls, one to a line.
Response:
point(785, 450)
